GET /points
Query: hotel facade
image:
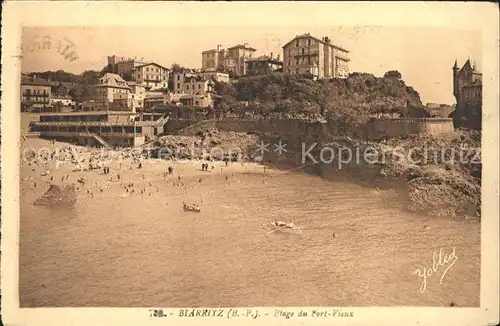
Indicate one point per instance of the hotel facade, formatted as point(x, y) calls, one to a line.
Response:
point(231, 60)
point(306, 54)
point(152, 76)
point(35, 93)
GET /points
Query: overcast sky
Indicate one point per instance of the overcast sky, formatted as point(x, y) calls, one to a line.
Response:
point(424, 56)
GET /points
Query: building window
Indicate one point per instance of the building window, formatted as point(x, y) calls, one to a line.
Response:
point(178, 77)
point(157, 70)
point(297, 61)
point(297, 71)
point(147, 69)
point(303, 50)
point(297, 43)
point(309, 42)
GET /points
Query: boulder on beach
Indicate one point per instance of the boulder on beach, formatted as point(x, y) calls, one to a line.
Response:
point(57, 195)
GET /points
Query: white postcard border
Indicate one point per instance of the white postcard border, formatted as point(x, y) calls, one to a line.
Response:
point(482, 16)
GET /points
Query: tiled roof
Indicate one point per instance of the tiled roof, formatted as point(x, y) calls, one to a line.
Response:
point(34, 81)
point(239, 46)
point(112, 80)
point(315, 38)
point(152, 63)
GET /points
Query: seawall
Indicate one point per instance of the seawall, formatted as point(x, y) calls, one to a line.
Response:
point(376, 129)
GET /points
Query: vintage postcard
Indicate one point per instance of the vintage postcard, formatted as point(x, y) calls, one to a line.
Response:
point(249, 163)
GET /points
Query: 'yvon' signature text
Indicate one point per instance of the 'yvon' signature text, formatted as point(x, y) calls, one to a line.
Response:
point(439, 259)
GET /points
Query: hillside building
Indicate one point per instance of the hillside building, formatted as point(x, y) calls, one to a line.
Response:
point(178, 78)
point(306, 54)
point(467, 89)
point(151, 75)
point(35, 93)
point(214, 75)
point(124, 67)
point(231, 60)
point(263, 65)
point(112, 92)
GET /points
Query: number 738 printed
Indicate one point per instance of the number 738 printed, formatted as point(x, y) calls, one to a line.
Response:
point(157, 313)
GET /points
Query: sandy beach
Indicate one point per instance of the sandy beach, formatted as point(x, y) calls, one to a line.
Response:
point(128, 242)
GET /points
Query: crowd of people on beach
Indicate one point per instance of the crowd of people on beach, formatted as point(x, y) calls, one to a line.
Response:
point(86, 160)
point(102, 165)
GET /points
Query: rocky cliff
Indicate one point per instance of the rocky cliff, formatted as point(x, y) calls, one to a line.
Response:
point(351, 100)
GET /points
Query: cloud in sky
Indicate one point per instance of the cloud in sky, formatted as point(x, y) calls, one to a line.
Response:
point(424, 55)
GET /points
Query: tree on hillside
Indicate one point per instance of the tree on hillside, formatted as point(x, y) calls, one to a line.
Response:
point(90, 77)
point(57, 76)
point(81, 93)
point(105, 70)
point(394, 74)
point(177, 67)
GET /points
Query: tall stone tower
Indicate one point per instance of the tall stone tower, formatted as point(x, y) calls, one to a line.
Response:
point(467, 90)
point(456, 85)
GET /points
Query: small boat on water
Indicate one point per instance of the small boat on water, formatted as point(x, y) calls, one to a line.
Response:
point(191, 208)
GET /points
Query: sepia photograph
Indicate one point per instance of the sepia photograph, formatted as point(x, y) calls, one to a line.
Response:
point(203, 170)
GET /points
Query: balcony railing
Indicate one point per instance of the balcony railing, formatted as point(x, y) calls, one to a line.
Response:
point(88, 134)
point(84, 123)
point(35, 94)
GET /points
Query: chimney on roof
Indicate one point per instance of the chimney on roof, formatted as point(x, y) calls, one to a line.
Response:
point(33, 77)
point(278, 57)
point(271, 55)
point(327, 39)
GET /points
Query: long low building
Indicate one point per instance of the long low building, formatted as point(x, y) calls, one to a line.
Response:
point(101, 128)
